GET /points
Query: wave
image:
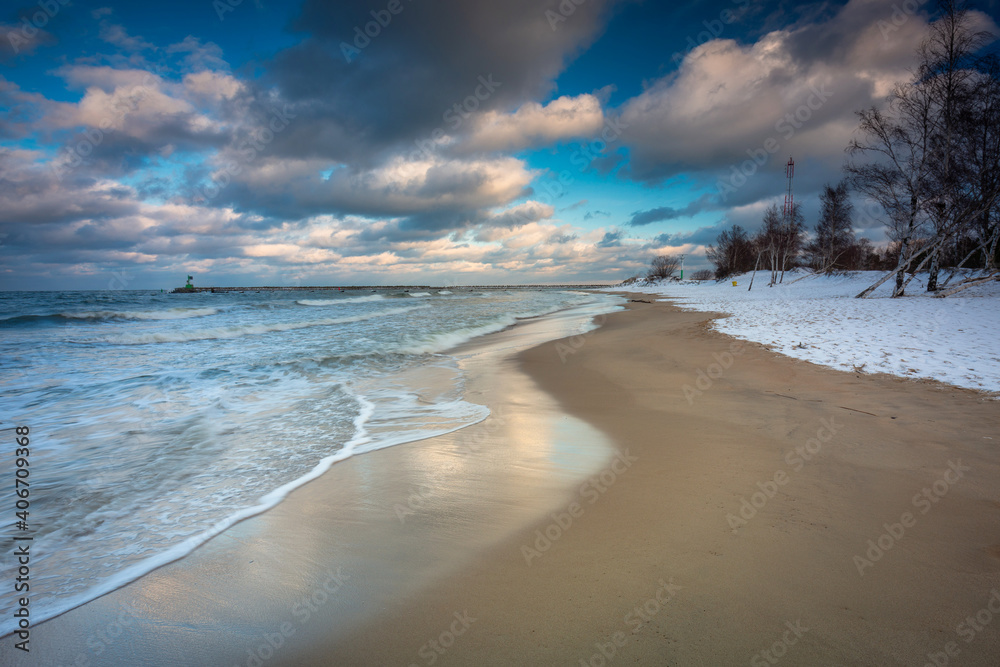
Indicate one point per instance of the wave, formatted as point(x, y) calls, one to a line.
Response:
point(437, 343)
point(441, 342)
point(361, 442)
point(333, 302)
point(245, 330)
point(185, 547)
point(111, 316)
point(444, 292)
point(419, 294)
point(169, 314)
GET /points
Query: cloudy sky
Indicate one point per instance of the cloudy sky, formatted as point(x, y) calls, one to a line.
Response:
point(255, 142)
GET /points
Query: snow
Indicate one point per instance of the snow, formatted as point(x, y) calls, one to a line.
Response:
point(816, 318)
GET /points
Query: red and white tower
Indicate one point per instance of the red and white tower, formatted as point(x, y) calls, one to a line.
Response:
point(789, 172)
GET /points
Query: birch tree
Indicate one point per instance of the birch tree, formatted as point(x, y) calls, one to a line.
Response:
point(779, 241)
point(896, 173)
point(949, 68)
point(929, 158)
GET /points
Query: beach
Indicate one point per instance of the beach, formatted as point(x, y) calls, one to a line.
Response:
point(573, 332)
point(651, 492)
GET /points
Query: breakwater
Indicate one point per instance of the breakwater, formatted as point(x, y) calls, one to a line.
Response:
point(376, 288)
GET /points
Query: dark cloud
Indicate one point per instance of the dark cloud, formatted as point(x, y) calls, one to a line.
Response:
point(21, 39)
point(701, 236)
point(363, 110)
point(371, 239)
point(32, 195)
point(406, 81)
point(21, 109)
point(640, 218)
point(612, 239)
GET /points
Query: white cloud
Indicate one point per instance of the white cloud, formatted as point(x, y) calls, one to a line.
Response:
point(799, 87)
point(143, 105)
point(400, 186)
point(534, 125)
point(214, 86)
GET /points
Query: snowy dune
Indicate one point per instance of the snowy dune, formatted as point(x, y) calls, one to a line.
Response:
point(816, 318)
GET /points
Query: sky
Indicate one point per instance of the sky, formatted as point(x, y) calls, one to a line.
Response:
point(442, 142)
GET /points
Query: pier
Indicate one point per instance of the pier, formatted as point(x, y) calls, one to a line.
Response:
point(380, 288)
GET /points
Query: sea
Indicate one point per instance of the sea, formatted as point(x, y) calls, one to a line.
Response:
point(158, 420)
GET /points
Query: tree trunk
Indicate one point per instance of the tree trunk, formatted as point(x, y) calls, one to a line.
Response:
point(901, 264)
point(932, 275)
point(991, 256)
point(969, 283)
point(932, 253)
point(754, 274)
point(904, 248)
point(898, 271)
point(958, 267)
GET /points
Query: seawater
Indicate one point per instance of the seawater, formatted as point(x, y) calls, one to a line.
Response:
point(159, 420)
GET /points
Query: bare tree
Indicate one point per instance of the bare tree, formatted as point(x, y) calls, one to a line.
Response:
point(949, 68)
point(664, 266)
point(779, 241)
point(793, 229)
point(922, 150)
point(732, 253)
point(979, 238)
point(768, 242)
point(898, 143)
point(832, 247)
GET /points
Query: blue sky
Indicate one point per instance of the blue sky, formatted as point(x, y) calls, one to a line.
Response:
point(250, 142)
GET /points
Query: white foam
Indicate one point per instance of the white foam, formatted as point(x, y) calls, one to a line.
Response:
point(362, 442)
point(438, 343)
point(419, 294)
point(170, 314)
point(133, 572)
point(346, 300)
point(237, 331)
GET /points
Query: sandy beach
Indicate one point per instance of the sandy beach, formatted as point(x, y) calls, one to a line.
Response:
point(648, 493)
point(466, 333)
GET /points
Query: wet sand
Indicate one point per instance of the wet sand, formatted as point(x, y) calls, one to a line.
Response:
point(825, 460)
point(649, 493)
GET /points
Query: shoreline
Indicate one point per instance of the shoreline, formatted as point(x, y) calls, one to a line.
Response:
point(346, 530)
point(647, 566)
point(433, 383)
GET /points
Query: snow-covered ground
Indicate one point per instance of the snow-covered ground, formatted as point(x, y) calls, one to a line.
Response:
point(955, 339)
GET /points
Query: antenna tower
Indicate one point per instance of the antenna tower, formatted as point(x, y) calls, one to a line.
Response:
point(789, 205)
